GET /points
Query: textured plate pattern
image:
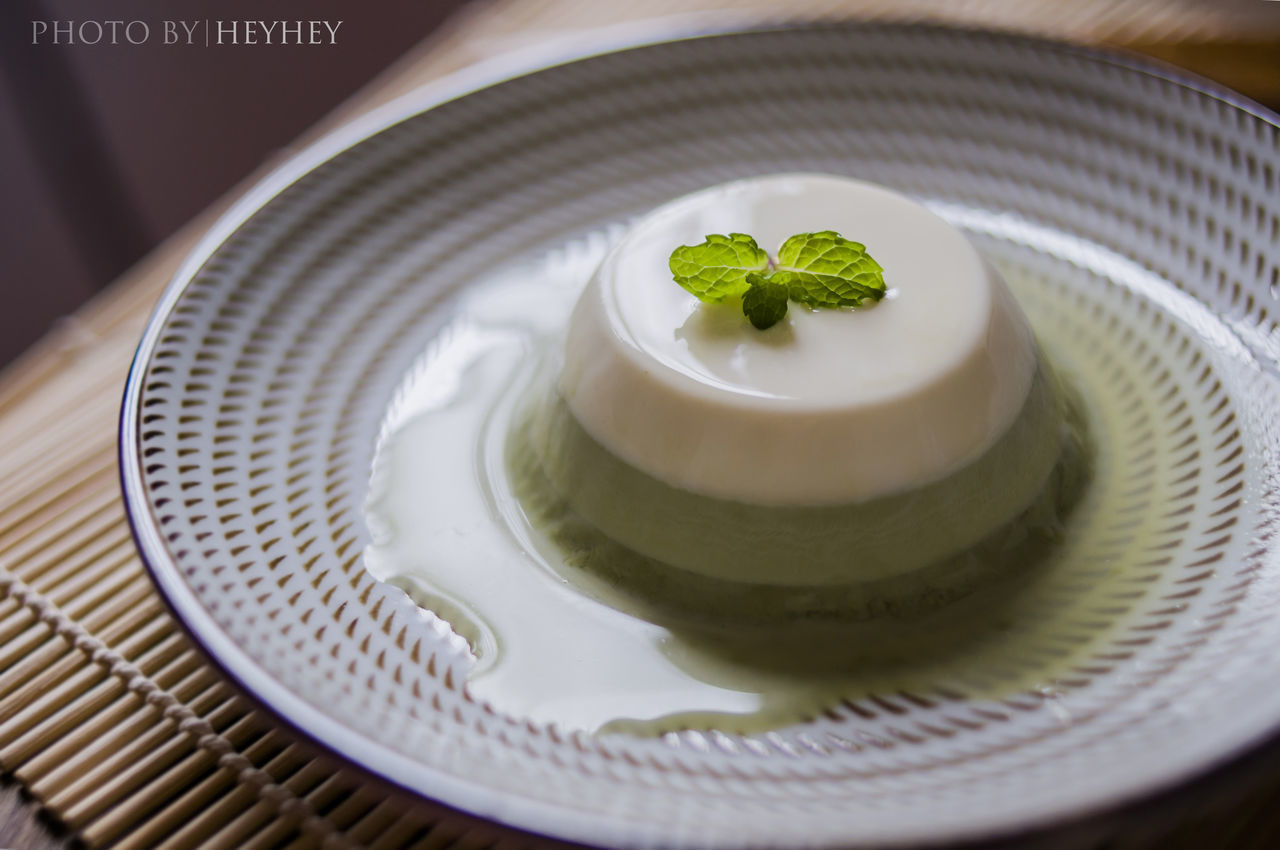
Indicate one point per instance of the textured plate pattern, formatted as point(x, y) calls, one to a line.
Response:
point(1150, 205)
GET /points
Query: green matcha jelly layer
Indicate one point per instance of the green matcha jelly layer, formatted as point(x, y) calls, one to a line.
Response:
point(673, 550)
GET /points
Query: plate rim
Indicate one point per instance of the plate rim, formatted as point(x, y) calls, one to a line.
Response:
point(455, 791)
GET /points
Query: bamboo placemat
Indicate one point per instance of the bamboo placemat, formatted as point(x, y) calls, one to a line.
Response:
point(112, 719)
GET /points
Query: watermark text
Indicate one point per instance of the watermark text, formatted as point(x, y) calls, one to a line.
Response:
point(201, 32)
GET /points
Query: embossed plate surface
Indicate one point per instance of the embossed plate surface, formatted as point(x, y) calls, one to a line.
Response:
point(1141, 209)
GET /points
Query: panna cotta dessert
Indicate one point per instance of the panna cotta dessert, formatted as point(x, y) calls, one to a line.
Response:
point(843, 458)
point(657, 481)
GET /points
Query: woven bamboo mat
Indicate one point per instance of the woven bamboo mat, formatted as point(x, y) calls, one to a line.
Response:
point(111, 718)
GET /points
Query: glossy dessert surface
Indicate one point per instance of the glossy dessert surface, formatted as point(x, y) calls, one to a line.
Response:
point(838, 447)
point(826, 407)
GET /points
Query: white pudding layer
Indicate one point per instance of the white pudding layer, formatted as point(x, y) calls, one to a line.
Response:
point(828, 406)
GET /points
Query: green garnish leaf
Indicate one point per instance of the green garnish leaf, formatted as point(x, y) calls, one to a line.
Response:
point(717, 268)
point(765, 303)
point(826, 270)
point(820, 269)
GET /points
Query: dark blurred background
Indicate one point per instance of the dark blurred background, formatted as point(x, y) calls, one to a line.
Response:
point(106, 149)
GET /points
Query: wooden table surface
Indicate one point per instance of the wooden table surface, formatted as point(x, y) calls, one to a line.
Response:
point(1237, 43)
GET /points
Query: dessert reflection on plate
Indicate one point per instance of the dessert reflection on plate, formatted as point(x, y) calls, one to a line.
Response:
point(644, 513)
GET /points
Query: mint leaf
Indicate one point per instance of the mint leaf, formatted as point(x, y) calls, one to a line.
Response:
point(717, 268)
point(826, 270)
point(765, 303)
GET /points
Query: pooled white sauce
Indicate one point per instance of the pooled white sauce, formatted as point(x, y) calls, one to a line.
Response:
point(447, 528)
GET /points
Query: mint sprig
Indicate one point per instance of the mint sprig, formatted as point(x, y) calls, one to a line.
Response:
point(821, 270)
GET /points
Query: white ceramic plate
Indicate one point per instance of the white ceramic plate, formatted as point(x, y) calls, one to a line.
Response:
point(1147, 203)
